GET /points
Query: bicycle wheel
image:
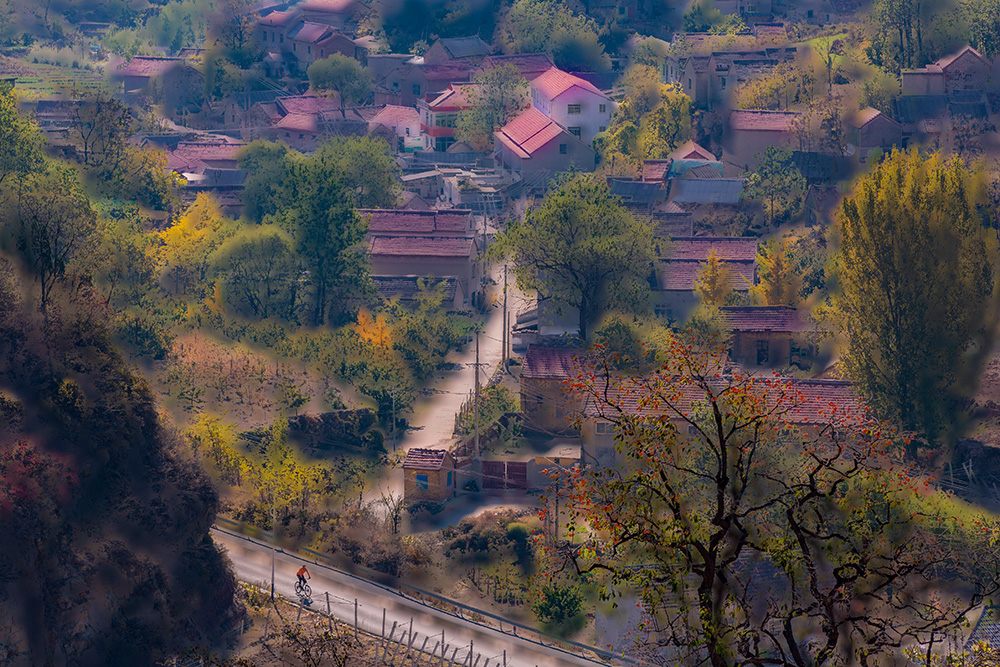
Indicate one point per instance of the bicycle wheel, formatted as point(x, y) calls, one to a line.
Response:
point(306, 591)
point(298, 587)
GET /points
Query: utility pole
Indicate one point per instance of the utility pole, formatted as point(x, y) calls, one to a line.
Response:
point(506, 322)
point(274, 536)
point(393, 420)
point(476, 406)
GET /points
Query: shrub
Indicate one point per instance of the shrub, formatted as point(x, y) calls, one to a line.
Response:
point(558, 604)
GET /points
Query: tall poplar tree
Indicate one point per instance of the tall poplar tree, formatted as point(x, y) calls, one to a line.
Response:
point(917, 294)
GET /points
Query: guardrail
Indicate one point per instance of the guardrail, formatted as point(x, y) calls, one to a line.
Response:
point(263, 537)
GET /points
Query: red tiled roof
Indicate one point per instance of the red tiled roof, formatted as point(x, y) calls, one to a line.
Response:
point(554, 82)
point(403, 221)
point(655, 171)
point(773, 121)
point(530, 65)
point(424, 459)
point(300, 122)
point(421, 246)
point(455, 98)
point(782, 319)
point(452, 71)
point(306, 104)
point(393, 116)
point(278, 19)
point(330, 6)
point(310, 33)
point(528, 132)
point(196, 156)
point(149, 66)
point(691, 151)
point(680, 275)
point(734, 248)
point(945, 62)
point(547, 362)
point(867, 115)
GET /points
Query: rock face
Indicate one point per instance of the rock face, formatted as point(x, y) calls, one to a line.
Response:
point(105, 555)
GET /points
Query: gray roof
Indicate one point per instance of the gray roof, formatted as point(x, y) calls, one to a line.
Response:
point(987, 629)
point(705, 191)
point(913, 108)
point(465, 47)
point(246, 100)
point(636, 191)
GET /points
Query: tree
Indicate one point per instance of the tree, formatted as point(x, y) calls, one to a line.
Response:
point(57, 230)
point(714, 282)
point(583, 249)
point(189, 242)
point(20, 141)
point(318, 212)
point(558, 604)
point(917, 300)
point(533, 26)
point(260, 272)
point(666, 127)
point(498, 96)
point(828, 49)
point(879, 91)
point(779, 281)
point(369, 170)
point(266, 164)
point(345, 76)
point(233, 27)
point(776, 180)
point(759, 526)
point(983, 19)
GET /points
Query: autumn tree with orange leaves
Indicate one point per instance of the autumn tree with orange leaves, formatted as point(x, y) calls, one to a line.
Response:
point(760, 522)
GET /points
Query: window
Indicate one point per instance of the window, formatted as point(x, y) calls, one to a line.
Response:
point(302, 136)
point(621, 11)
point(763, 347)
point(281, 39)
point(604, 428)
point(562, 149)
point(602, 128)
point(723, 82)
point(689, 84)
point(287, 135)
point(449, 479)
point(575, 131)
point(662, 311)
point(603, 108)
point(309, 49)
point(573, 108)
point(809, 13)
point(234, 118)
point(416, 89)
point(422, 482)
point(295, 47)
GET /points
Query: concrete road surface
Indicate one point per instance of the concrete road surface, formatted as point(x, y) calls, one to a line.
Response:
point(252, 562)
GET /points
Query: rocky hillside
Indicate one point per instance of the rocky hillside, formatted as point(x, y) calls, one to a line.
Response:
point(105, 555)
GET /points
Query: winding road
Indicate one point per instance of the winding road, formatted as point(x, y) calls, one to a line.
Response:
point(252, 562)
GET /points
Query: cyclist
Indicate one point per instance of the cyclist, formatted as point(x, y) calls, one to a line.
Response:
point(303, 574)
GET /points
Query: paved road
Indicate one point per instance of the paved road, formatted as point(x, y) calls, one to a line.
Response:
point(252, 562)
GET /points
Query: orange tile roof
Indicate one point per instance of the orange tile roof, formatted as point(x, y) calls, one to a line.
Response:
point(737, 248)
point(780, 319)
point(549, 362)
point(554, 82)
point(424, 459)
point(416, 246)
point(528, 132)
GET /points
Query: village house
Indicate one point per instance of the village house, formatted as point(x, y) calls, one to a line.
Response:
point(770, 336)
point(750, 132)
point(342, 15)
point(234, 113)
point(709, 80)
point(435, 256)
point(572, 102)
point(409, 289)
point(428, 475)
point(748, 9)
point(293, 43)
point(613, 10)
point(538, 148)
point(547, 405)
point(171, 81)
point(296, 120)
point(406, 85)
point(965, 70)
point(438, 222)
point(439, 115)
point(870, 129)
point(403, 124)
point(677, 273)
point(449, 49)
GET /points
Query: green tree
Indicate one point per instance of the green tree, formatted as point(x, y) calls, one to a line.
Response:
point(260, 272)
point(533, 26)
point(499, 95)
point(369, 170)
point(780, 282)
point(318, 211)
point(917, 298)
point(57, 232)
point(345, 76)
point(20, 142)
point(776, 180)
point(190, 241)
point(714, 283)
point(582, 248)
point(983, 19)
point(879, 91)
point(558, 604)
point(666, 127)
point(266, 164)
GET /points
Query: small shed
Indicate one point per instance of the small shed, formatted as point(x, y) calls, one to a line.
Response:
point(428, 474)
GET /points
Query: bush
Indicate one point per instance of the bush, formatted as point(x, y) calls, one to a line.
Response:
point(558, 604)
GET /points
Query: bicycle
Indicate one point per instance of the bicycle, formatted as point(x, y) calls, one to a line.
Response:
point(303, 590)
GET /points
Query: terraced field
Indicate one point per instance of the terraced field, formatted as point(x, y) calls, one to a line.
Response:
point(38, 80)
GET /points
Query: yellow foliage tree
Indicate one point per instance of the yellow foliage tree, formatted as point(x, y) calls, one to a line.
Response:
point(779, 281)
point(373, 330)
point(188, 243)
point(713, 284)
